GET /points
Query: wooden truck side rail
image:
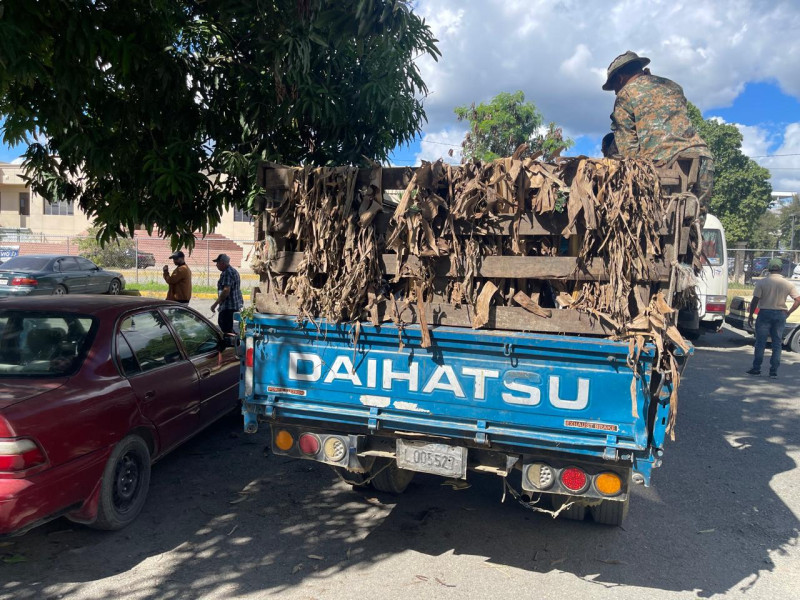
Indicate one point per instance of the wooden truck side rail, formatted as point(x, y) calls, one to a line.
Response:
point(675, 234)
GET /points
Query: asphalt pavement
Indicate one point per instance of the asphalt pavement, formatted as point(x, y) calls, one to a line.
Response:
point(227, 519)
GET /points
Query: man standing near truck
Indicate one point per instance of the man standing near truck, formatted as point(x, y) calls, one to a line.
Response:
point(770, 296)
point(651, 120)
point(229, 292)
point(180, 281)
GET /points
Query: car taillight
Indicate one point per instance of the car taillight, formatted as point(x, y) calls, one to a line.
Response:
point(716, 303)
point(23, 281)
point(248, 364)
point(19, 455)
point(574, 479)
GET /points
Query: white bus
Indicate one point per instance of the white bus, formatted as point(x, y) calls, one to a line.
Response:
point(712, 288)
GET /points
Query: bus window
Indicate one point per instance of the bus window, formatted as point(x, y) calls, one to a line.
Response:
point(712, 247)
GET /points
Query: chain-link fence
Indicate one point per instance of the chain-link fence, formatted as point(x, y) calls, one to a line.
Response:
point(141, 259)
point(746, 263)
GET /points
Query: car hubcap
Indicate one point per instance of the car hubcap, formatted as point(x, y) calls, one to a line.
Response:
point(114, 288)
point(126, 482)
point(59, 291)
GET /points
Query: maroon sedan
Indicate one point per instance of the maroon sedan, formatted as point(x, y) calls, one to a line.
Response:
point(92, 391)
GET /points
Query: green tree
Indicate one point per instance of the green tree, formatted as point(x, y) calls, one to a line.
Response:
point(767, 232)
point(741, 186)
point(120, 253)
point(158, 112)
point(498, 128)
point(789, 223)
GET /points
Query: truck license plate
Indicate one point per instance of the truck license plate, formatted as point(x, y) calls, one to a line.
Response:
point(439, 459)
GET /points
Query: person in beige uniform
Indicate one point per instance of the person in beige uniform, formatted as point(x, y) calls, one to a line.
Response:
point(180, 282)
point(769, 296)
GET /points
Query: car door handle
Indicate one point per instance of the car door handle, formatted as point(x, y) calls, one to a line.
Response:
point(149, 394)
point(205, 373)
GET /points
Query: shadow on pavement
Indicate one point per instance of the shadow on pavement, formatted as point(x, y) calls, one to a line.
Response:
point(222, 519)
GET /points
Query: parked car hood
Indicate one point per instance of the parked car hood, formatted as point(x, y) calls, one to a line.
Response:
point(17, 390)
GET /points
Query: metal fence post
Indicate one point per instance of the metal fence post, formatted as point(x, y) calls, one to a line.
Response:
point(136, 257)
point(68, 252)
point(208, 265)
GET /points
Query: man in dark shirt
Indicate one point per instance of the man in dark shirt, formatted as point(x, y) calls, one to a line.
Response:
point(651, 119)
point(229, 292)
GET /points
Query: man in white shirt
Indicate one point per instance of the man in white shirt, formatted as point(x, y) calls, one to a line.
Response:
point(769, 296)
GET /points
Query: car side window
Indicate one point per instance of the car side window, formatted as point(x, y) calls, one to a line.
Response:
point(198, 337)
point(127, 361)
point(67, 264)
point(150, 340)
point(86, 265)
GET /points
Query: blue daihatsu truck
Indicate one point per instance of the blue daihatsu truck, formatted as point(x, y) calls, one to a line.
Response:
point(570, 422)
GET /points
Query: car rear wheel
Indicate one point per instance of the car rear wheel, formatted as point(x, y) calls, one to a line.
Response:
point(126, 480)
point(114, 287)
point(60, 290)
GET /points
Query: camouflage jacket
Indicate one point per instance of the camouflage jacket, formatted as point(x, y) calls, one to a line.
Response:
point(650, 120)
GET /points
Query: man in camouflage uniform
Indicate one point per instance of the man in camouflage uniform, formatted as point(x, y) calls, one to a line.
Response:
point(651, 120)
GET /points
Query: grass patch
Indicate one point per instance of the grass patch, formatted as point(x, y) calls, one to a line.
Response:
point(152, 286)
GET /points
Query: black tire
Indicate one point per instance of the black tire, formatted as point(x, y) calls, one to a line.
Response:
point(126, 480)
point(351, 477)
point(390, 479)
point(794, 341)
point(692, 335)
point(575, 512)
point(59, 290)
point(114, 287)
point(610, 512)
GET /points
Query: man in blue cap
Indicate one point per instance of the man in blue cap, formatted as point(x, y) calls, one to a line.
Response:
point(769, 296)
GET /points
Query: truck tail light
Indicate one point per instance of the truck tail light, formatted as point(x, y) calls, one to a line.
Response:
point(540, 476)
point(608, 484)
point(574, 479)
point(19, 455)
point(335, 449)
point(716, 304)
point(248, 364)
point(23, 281)
point(284, 440)
point(308, 444)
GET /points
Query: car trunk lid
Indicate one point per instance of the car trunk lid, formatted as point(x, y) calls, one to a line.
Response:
point(16, 390)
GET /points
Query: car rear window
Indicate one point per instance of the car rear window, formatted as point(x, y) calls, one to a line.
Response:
point(43, 344)
point(25, 263)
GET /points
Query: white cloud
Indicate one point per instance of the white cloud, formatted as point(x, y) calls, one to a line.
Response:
point(439, 144)
point(557, 52)
point(783, 162)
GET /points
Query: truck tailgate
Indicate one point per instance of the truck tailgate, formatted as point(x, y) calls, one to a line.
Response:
point(491, 387)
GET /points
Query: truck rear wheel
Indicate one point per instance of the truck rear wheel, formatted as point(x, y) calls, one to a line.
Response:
point(390, 479)
point(351, 477)
point(574, 512)
point(610, 512)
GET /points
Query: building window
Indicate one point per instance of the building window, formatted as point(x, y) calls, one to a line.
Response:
point(241, 216)
point(61, 207)
point(25, 204)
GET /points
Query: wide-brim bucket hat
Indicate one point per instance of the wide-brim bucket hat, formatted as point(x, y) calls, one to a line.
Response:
point(619, 62)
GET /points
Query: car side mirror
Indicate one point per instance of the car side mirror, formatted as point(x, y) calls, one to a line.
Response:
point(229, 340)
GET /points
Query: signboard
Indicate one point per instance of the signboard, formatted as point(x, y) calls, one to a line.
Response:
point(8, 252)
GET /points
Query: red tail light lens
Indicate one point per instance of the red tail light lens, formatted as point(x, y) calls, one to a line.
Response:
point(715, 308)
point(574, 479)
point(23, 281)
point(248, 357)
point(19, 455)
point(308, 443)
